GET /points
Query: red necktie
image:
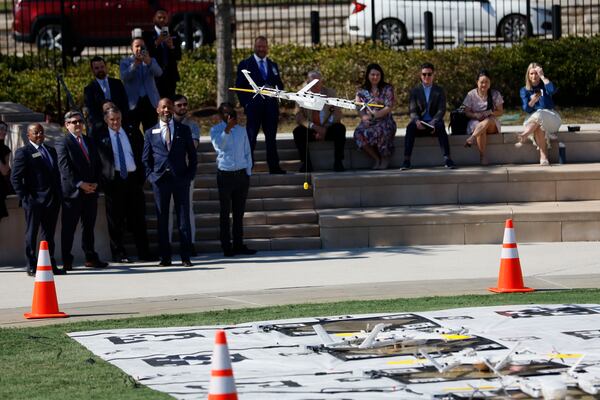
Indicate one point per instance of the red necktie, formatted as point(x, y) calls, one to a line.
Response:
point(85, 153)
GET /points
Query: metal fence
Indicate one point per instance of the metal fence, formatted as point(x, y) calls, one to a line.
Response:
point(52, 30)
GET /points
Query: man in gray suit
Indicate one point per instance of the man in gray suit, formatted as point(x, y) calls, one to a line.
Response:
point(427, 106)
point(137, 73)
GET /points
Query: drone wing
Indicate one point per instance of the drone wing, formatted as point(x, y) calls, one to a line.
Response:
point(308, 87)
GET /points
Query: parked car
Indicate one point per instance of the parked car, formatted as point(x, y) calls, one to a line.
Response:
point(105, 22)
point(399, 22)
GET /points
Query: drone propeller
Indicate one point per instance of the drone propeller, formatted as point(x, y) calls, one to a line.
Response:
point(277, 91)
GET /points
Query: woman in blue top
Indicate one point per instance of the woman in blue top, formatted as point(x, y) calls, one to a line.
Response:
point(543, 123)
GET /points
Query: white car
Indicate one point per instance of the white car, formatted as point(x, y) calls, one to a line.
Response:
point(400, 22)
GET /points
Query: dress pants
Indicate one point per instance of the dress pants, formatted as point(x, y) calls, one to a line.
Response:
point(144, 113)
point(267, 116)
point(167, 186)
point(42, 219)
point(412, 132)
point(192, 217)
point(233, 191)
point(124, 200)
point(84, 207)
point(335, 133)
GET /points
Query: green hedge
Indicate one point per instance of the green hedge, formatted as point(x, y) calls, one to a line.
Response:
point(572, 63)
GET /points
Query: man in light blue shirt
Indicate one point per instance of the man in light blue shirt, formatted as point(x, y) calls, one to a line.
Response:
point(234, 163)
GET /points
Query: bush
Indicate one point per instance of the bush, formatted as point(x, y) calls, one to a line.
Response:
point(569, 62)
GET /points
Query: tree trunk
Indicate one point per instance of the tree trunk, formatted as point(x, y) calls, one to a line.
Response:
point(225, 78)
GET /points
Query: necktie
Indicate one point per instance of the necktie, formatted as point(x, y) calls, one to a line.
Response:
point(122, 163)
point(83, 150)
point(106, 90)
point(263, 69)
point(45, 155)
point(168, 137)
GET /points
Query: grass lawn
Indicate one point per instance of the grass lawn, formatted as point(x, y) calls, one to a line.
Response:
point(43, 363)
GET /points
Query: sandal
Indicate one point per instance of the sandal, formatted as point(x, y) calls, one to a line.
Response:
point(544, 163)
point(469, 142)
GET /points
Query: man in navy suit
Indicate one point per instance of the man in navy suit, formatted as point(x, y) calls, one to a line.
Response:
point(120, 148)
point(261, 111)
point(80, 168)
point(36, 180)
point(165, 48)
point(98, 91)
point(170, 159)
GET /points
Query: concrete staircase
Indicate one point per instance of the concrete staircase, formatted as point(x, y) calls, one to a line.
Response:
point(280, 214)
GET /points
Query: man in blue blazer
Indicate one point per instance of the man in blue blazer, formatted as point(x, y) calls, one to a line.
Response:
point(80, 168)
point(36, 180)
point(170, 160)
point(137, 73)
point(261, 111)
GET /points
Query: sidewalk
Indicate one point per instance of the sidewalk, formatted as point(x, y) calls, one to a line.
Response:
point(274, 278)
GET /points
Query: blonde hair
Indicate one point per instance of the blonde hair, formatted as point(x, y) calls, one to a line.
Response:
point(529, 68)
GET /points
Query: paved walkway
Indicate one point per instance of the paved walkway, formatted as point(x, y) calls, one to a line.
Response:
point(288, 277)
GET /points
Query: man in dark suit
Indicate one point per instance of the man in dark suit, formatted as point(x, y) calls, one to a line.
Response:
point(101, 89)
point(170, 160)
point(261, 111)
point(36, 180)
point(80, 168)
point(166, 49)
point(427, 106)
point(120, 149)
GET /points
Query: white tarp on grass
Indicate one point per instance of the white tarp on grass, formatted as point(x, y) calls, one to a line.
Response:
point(285, 359)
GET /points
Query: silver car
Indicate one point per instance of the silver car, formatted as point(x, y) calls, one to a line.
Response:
point(400, 22)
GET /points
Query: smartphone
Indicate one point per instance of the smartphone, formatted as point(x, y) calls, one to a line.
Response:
point(143, 50)
point(164, 31)
point(539, 91)
point(427, 124)
point(231, 114)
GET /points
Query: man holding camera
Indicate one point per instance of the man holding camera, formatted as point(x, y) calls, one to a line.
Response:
point(234, 163)
point(138, 72)
point(165, 48)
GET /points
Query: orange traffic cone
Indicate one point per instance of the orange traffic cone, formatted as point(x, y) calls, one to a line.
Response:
point(222, 385)
point(45, 304)
point(510, 278)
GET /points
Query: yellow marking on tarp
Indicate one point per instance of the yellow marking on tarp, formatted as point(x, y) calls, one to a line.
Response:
point(346, 334)
point(456, 337)
point(469, 389)
point(565, 355)
point(407, 362)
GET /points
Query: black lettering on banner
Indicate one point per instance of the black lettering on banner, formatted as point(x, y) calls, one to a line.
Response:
point(547, 312)
point(454, 318)
point(151, 337)
point(179, 360)
point(585, 335)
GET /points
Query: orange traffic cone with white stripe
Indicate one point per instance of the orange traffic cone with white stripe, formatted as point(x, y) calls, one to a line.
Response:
point(222, 385)
point(45, 304)
point(510, 278)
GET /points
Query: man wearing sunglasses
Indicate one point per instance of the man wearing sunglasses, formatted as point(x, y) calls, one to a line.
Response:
point(80, 169)
point(427, 106)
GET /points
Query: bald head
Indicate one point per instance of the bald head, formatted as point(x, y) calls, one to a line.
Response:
point(35, 133)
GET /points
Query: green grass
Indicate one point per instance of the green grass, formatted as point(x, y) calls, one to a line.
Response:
point(43, 363)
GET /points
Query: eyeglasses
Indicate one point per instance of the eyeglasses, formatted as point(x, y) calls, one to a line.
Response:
point(427, 73)
point(181, 105)
point(75, 122)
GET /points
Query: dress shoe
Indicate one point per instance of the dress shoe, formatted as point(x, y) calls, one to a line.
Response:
point(57, 271)
point(228, 253)
point(31, 272)
point(96, 264)
point(405, 165)
point(338, 166)
point(187, 263)
point(243, 250)
point(305, 167)
point(165, 263)
point(68, 266)
point(277, 171)
point(448, 163)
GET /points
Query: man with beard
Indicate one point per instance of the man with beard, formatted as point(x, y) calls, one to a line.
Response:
point(103, 88)
point(170, 160)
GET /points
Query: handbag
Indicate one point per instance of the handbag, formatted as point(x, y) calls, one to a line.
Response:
point(458, 121)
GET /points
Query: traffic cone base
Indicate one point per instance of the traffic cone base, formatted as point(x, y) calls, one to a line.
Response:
point(45, 303)
point(510, 277)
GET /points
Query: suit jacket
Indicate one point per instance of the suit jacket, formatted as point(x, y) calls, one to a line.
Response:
point(273, 80)
point(73, 165)
point(93, 97)
point(181, 160)
point(418, 103)
point(303, 114)
point(166, 58)
point(34, 181)
point(107, 156)
point(133, 80)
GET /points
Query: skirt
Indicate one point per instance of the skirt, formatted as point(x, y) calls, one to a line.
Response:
point(548, 120)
